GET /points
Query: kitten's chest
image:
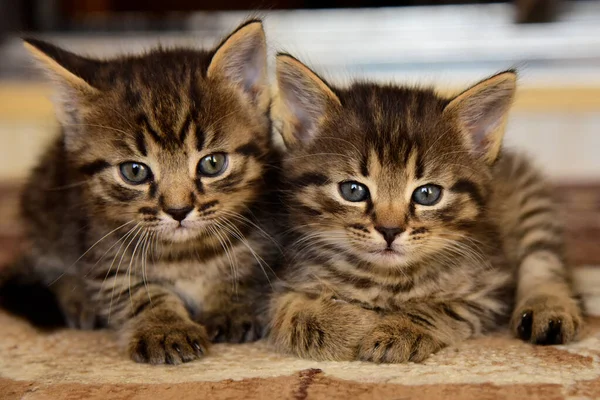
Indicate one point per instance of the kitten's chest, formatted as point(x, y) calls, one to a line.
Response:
point(192, 280)
point(390, 294)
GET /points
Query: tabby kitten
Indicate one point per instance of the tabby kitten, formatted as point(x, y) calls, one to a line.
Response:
point(414, 231)
point(146, 203)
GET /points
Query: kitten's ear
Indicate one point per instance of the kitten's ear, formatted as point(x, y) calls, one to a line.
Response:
point(242, 59)
point(76, 71)
point(303, 100)
point(482, 112)
point(73, 75)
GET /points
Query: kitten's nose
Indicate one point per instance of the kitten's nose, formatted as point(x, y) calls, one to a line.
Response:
point(179, 214)
point(389, 234)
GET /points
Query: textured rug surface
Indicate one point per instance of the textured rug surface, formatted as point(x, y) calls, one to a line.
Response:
point(88, 365)
point(75, 364)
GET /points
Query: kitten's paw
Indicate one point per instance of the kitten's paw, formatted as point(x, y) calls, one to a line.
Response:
point(233, 327)
point(547, 320)
point(390, 343)
point(168, 343)
point(79, 314)
point(319, 329)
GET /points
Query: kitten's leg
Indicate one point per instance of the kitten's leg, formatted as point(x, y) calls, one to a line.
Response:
point(421, 329)
point(546, 311)
point(73, 300)
point(234, 315)
point(320, 328)
point(153, 323)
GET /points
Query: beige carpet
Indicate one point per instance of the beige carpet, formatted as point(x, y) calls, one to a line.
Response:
point(74, 364)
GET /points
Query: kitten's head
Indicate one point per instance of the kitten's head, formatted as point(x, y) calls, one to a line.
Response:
point(175, 140)
point(388, 174)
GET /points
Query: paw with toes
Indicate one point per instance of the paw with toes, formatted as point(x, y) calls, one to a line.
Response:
point(397, 344)
point(168, 343)
point(546, 321)
point(233, 327)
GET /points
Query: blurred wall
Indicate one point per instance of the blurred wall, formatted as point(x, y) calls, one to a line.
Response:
point(556, 116)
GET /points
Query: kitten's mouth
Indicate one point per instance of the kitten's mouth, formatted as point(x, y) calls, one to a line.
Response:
point(388, 251)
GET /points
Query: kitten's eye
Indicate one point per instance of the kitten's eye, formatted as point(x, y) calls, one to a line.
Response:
point(135, 173)
point(354, 191)
point(427, 195)
point(213, 164)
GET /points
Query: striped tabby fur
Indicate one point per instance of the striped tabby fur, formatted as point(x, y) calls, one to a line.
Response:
point(388, 279)
point(178, 259)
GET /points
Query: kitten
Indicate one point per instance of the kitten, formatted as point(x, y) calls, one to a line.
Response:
point(411, 223)
point(142, 213)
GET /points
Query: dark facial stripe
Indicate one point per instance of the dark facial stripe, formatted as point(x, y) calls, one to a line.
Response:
point(145, 124)
point(153, 190)
point(307, 210)
point(228, 184)
point(364, 165)
point(200, 139)
point(419, 167)
point(359, 227)
point(207, 205)
point(122, 194)
point(185, 128)
point(94, 167)
point(140, 143)
point(199, 185)
point(249, 150)
point(419, 231)
point(332, 206)
point(310, 179)
point(468, 187)
point(148, 211)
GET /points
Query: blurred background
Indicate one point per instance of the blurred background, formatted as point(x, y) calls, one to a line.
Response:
point(555, 44)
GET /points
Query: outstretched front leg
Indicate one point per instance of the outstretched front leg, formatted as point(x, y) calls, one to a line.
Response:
point(319, 328)
point(153, 323)
point(547, 312)
point(421, 329)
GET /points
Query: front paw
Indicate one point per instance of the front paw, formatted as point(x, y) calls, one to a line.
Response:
point(168, 342)
point(392, 343)
point(235, 326)
point(547, 320)
point(319, 329)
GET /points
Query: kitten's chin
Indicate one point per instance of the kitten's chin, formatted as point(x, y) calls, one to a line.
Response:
point(386, 258)
point(180, 234)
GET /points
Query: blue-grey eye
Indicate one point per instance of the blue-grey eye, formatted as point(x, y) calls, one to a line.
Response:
point(135, 173)
point(427, 195)
point(354, 191)
point(213, 164)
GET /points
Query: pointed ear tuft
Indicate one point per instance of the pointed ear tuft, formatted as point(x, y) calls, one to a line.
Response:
point(242, 59)
point(303, 100)
point(73, 70)
point(73, 76)
point(482, 111)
